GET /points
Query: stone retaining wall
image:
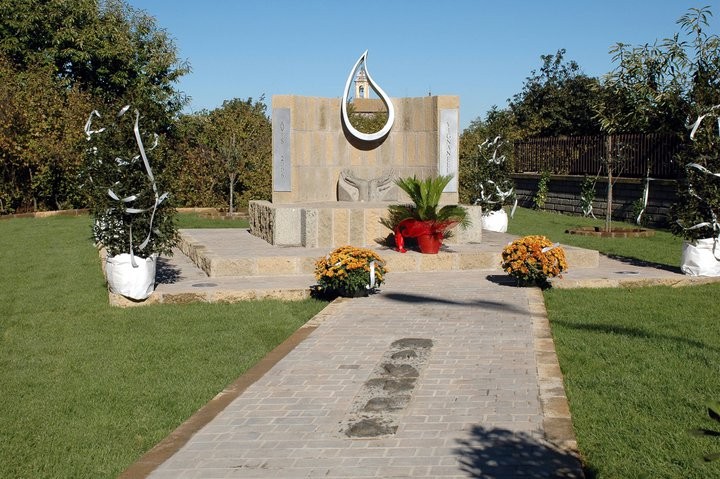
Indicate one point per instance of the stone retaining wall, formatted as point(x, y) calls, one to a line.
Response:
point(564, 197)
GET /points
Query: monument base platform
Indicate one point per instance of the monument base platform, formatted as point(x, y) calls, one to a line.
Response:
point(236, 253)
point(336, 223)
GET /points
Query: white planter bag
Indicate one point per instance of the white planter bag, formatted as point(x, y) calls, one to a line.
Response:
point(134, 283)
point(495, 221)
point(698, 258)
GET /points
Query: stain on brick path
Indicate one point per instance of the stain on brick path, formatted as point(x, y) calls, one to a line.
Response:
point(388, 391)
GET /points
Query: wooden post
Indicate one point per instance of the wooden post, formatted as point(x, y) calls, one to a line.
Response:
point(609, 165)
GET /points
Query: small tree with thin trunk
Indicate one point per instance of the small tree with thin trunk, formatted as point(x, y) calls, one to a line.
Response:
point(239, 140)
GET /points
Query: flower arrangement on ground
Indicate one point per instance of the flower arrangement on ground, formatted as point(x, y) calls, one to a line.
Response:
point(350, 271)
point(534, 259)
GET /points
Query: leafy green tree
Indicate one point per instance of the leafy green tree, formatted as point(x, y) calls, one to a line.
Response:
point(657, 88)
point(129, 199)
point(489, 182)
point(239, 139)
point(557, 100)
point(107, 48)
point(497, 123)
point(197, 180)
point(60, 58)
point(40, 140)
point(698, 205)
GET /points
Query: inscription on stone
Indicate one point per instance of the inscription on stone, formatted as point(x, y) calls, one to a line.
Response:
point(448, 146)
point(281, 149)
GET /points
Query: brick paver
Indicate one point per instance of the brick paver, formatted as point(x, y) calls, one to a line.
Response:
point(475, 410)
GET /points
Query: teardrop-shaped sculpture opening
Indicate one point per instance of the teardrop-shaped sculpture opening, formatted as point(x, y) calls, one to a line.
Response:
point(370, 130)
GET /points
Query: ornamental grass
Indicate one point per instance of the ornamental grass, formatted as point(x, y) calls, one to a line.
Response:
point(532, 260)
point(349, 271)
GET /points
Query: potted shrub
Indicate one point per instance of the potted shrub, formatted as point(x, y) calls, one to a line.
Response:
point(492, 186)
point(532, 260)
point(133, 222)
point(698, 200)
point(424, 220)
point(349, 271)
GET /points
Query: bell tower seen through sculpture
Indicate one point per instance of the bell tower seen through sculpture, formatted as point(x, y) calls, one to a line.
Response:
point(362, 86)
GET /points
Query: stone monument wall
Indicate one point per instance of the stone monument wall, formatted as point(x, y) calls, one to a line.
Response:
point(311, 148)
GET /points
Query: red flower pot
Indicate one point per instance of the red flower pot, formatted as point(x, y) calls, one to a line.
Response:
point(429, 234)
point(429, 244)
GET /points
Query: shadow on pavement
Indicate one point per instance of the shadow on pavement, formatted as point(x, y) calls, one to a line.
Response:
point(421, 298)
point(502, 454)
point(644, 264)
point(166, 273)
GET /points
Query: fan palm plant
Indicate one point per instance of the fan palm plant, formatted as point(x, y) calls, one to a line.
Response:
point(426, 194)
point(425, 216)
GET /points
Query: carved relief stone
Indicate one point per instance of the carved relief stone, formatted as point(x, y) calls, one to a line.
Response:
point(353, 188)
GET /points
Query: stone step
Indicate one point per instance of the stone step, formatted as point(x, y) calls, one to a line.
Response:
point(234, 252)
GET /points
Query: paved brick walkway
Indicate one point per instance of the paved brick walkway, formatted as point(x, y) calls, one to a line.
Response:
point(478, 409)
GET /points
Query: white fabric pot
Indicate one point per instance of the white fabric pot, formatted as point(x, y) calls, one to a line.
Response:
point(698, 258)
point(134, 283)
point(495, 221)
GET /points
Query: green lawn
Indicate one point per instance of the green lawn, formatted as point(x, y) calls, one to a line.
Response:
point(639, 364)
point(662, 248)
point(196, 220)
point(86, 389)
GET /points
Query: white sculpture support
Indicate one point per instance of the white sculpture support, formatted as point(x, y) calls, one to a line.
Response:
point(383, 96)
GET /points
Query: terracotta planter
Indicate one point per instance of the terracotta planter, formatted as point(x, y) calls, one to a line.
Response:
point(429, 244)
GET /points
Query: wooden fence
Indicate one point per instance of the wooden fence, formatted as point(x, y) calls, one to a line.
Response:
point(635, 155)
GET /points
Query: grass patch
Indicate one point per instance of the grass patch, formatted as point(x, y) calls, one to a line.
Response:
point(662, 248)
point(639, 366)
point(86, 389)
point(197, 220)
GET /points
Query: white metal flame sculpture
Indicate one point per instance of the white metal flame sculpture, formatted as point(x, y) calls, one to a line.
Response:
point(369, 137)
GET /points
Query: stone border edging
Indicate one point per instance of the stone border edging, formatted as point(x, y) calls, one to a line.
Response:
point(47, 214)
point(557, 421)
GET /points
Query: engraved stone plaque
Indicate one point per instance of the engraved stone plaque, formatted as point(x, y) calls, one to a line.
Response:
point(281, 149)
point(448, 147)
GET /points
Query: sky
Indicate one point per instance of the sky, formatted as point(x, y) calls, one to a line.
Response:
point(480, 50)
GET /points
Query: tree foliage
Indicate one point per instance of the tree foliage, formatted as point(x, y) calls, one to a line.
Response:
point(128, 200)
point(698, 205)
point(40, 139)
point(58, 61)
point(232, 142)
point(557, 100)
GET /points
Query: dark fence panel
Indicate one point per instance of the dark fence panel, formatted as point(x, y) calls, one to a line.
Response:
point(635, 155)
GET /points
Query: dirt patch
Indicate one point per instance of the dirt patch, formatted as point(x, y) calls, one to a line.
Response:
point(615, 233)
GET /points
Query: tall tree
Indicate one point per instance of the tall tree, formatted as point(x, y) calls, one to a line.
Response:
point(557, 100)
point(101, 53)
point(239, 140)
point(698, 207)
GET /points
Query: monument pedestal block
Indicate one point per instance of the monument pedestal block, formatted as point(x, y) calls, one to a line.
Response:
point(336, 223)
